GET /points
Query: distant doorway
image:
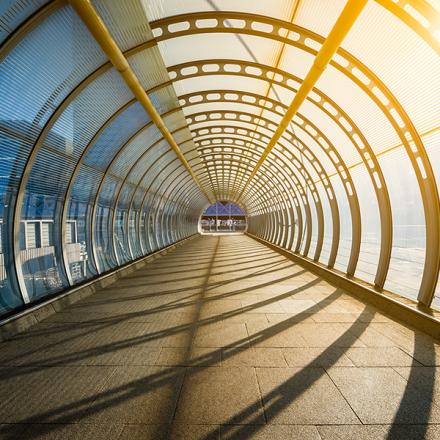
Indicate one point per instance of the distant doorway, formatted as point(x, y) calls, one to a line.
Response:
point(223, 217)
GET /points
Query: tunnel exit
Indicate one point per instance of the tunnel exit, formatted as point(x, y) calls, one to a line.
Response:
point(223, 217)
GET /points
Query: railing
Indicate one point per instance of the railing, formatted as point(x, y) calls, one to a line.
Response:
point(223, 226)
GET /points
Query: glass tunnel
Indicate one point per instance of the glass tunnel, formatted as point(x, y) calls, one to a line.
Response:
point(122, 121)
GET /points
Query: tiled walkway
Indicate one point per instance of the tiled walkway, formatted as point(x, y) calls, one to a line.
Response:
point(222, 338)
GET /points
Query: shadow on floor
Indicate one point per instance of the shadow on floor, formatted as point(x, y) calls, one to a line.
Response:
point(117, 391)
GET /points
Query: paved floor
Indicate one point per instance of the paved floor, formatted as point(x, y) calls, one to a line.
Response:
point(222, 338)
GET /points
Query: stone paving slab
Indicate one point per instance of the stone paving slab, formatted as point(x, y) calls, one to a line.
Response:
point(215, 395)
point(305, 396)
point(220, 339)
point(381, 395)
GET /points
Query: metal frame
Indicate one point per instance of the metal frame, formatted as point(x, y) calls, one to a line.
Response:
point(353, 69)
point(331, 152)
point(103, 37)
point(323, 102)
point(402, 124)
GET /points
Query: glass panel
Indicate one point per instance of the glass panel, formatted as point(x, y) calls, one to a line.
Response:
point(319, 16)
point(126, 21)
point(79, 246)
point(276, 8)
point(120, 130)
point(121, 222)
point(328, 224)
point(103, 225)
point(371, 234)
point(134, 233)
point(398, 61)
point(408, 254)
point(59, 155)
point(345, 219)
point(15, 12)
point(31, 90)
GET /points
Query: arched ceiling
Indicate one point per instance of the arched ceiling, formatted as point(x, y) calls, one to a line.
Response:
point(204, 87)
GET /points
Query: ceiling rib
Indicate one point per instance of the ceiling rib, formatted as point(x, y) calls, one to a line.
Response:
point(276, 65)
point(344, 23)
point(102, 35)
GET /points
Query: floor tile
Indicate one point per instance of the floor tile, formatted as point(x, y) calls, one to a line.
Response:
point(170, 432)
point(380, 357)
point(75, 431)
point(209, 396)
point(381, 396)
point(191, 356)
point(426, 379)
point(220, 335)
point(52, 394)
point(253, 357)
point(138, 395)
point(347, 432)
point(269, 432)
point(317, 357)
point(302, 396)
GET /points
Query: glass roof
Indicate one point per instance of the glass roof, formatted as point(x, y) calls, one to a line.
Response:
point(355, 171)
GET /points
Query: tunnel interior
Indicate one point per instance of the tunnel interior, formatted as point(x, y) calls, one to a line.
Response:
point(121, 121)
point(219, 219)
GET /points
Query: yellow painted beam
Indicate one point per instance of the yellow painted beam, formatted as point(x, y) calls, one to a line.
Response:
point(344, 23)
point(102, 35)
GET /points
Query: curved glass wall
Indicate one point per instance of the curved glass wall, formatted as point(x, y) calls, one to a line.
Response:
point(95, 173)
